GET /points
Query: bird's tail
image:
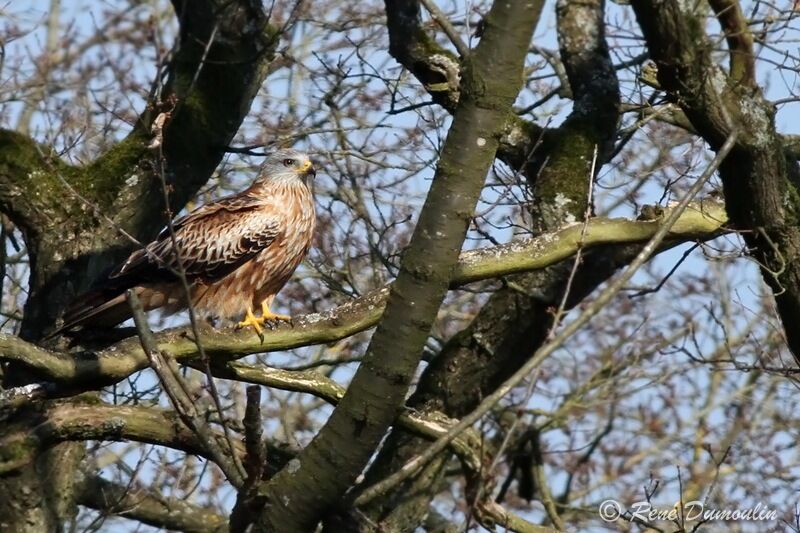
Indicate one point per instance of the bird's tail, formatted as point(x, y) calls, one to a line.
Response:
point(102, 307)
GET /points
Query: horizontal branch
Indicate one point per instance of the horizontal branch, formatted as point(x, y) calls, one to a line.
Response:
point(154, 425)
point(94, 370)
point(148, 507)
point(700, 222)
point(674, 116)
point(431, 426)
point(70, 422)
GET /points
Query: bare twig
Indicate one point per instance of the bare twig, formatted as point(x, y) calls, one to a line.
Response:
point(177, 248)
point(444, 23)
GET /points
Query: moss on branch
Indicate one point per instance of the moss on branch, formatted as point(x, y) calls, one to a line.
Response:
point(30, 191)
point(699, 222)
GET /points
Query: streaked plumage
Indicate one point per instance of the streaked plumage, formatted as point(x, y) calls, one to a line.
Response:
point(237, 253)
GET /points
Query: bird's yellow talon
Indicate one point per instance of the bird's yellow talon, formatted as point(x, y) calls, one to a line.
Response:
point(267, 318)
point(251, 320)
point(267, 315)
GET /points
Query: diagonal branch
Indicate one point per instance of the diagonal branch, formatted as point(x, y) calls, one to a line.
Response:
point(329, 465)
point(740, 40)
point(167, 371)
point(444, 22)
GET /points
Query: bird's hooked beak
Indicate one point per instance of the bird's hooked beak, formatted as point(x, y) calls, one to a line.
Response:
point(308, 169)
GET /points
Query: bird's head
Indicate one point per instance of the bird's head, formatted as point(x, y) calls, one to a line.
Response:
point(287, 165)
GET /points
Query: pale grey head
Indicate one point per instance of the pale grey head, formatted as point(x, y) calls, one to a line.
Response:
point(287, 165)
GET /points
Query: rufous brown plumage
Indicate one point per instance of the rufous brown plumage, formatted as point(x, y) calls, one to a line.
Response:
point(236, 254)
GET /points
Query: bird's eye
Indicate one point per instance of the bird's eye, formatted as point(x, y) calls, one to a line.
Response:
point(288, 162)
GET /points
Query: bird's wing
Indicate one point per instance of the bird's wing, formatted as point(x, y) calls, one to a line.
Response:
point(212, 241)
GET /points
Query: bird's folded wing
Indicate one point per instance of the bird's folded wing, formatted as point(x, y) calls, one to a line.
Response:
point(212, 242)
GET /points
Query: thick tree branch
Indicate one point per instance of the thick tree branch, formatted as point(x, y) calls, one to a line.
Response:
point(516, 318)
point(223, 56)
point(93, 370)
point(148, 507)
point(159, 426)
point(298, 497)
point(33, 430)
point(740, 41)
point(585, 140)
point(434, 66)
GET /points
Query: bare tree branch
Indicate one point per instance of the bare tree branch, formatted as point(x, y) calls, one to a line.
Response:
point(148, 507)
point(703, 221)
point(43, 426)
point(172, 383)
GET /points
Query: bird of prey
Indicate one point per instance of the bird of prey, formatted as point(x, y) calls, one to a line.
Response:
point(236, 254)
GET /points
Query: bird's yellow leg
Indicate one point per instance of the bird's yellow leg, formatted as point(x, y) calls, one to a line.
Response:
point(266, 314)
point(251, 320)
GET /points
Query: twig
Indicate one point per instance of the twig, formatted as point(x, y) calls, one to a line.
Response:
point(169, 375)
point(413, 466)
point(444, 23)
point(669, 274)
point(248, 499)
point(541, 483)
